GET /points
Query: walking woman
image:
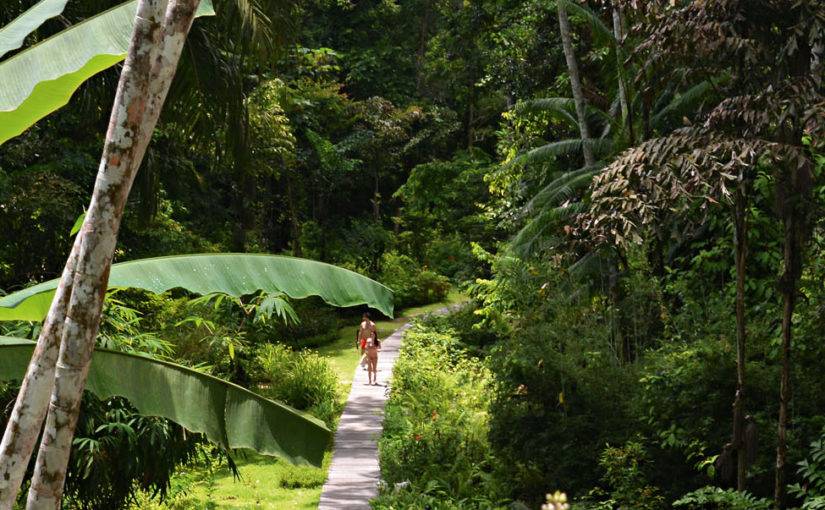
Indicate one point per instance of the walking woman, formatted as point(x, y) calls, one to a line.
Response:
point(373, 345)
point(368, 334)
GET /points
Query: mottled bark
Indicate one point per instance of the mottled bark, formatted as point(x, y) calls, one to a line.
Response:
point(575, 81)
point(156, 45)
point(32, 402)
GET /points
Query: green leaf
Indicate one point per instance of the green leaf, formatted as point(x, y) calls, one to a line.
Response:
point(227, 414)
point(13, 34)
point(77, 224)
point(227, 273)
point(551, 150)
point(42, 78)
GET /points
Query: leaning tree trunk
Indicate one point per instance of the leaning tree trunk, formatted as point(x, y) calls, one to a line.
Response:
point(157, 41)
point(575, 81)
point(32, 402)
point(740, 248)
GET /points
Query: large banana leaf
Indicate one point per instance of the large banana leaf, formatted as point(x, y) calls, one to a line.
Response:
point(13, 34)
point(226, 413)
point(41, 79)
point(235, 274)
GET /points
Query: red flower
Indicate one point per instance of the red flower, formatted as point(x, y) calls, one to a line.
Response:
point(417, 438)
point(435, 412)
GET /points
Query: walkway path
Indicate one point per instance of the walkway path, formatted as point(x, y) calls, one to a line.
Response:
point(354, 473)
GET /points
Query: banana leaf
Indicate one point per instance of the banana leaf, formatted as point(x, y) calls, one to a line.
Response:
point(235, 274)
point(42, 78)
point(227, 414)
point(13, 34)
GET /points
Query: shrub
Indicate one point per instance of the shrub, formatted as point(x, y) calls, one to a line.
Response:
point(301, 379)
point(625, 473)
point(812, 471)
point(412, 285)
point(435, 441)
point(559, 397)
point(449, 255)
point(716, 498)
point(299, 477)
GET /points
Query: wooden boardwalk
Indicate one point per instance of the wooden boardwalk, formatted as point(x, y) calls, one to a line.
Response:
point(354, 473)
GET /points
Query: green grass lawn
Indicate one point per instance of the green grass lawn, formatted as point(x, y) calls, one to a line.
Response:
point(270, 483)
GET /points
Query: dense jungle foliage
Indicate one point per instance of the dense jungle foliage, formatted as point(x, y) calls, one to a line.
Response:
point(630, 192)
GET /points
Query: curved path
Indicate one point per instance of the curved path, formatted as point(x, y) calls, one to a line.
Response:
point(354, 473)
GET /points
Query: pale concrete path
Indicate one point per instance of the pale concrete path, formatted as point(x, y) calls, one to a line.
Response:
point(354, 472)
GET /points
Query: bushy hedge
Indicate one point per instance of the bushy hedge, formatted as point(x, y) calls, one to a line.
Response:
point(412, 284)
point(434, 449)
point(302, 379)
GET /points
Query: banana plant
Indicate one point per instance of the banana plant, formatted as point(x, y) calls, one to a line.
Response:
point(201, 403)
point(225, 413)
point(234, 274)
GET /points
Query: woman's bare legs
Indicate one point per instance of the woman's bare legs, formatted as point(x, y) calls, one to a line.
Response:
point(372, 369)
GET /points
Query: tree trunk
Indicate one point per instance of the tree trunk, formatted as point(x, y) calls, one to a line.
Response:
point(33, 399)
point(239, 118)
point(293, 218)
point(740, 246)
point(376, 197)
point(155, 48)
point(575, 81)
point(619, 33)
point(788, 287)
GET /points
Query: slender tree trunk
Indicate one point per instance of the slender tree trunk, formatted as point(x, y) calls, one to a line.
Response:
point(153, 54)
point(33, 399)
point(239, 118)
point(470, 121)
point(293, 217)
point(419, 57)
point(740, 246)
point(619, 33)
point(376, 198)
point(788, 286)
point(575, 81)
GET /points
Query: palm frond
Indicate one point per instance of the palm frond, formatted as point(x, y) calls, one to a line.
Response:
point(563, 108)
point(563, 188)
point(557, 107)
point(552, 150)
point(682, 103)
point(545, 104)
point(538, 235)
